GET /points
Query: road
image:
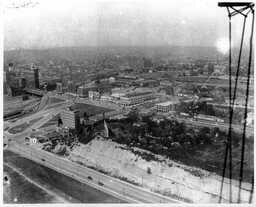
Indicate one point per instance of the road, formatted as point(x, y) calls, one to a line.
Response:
point(113, 186)
point(118, 188)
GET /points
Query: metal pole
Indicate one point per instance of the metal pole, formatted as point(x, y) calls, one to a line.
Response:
point(246, 106)
point(230, 111)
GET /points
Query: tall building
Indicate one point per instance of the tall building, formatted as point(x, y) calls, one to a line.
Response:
point(71, 119)
point(36, 75)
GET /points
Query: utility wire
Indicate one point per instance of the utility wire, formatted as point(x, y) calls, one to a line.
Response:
point(232, 108)
point(227, 150)
point(251, 193)
point(232, 102)
point(246, 109)
point(230, 112)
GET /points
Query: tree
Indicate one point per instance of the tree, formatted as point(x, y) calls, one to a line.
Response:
point(86, 116)
point(133, 115)
point(204, 135)
point(193, 108)
point(178, 128)
point(60, 123)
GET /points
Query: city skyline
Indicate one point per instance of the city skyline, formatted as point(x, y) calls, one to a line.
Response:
point(128, 101)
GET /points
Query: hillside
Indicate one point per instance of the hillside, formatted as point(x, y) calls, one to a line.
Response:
point(161, 175)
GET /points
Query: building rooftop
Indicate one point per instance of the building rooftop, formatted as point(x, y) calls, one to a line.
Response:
point(137, 94)
point(167, 103)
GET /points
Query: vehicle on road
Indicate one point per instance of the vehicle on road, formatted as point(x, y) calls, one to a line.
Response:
point(27, 140)
point(100, 183)
point(89, 178)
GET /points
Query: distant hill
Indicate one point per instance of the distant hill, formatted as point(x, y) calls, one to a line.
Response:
point(82, 53)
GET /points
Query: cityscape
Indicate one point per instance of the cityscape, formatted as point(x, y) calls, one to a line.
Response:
point(110, 123)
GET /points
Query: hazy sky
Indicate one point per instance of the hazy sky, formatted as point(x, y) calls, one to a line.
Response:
point(60, 23)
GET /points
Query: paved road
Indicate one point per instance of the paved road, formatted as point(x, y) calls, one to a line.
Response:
point(113, 186)
point(51, 111)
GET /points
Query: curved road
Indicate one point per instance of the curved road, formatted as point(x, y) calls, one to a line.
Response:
point(113, 186)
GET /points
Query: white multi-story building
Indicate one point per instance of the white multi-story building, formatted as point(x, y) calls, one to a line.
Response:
point(166, 106)
point(106, 98)
point(135, 98)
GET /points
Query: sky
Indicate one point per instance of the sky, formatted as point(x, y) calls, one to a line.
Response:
point(61, 23)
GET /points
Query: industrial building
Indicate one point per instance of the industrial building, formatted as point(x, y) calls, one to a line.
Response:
point(136, 98)
point(70, 119)
point(167, 106)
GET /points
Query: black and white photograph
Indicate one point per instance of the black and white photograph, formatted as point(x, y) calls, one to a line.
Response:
point(127, 102)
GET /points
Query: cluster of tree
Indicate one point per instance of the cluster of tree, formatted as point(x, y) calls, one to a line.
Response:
point(148, 134)
point(191, 108)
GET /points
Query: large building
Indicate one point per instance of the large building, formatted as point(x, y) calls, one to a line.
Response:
point(135, 98)
point(166, 106)
point(36, 75)
point(70, 119)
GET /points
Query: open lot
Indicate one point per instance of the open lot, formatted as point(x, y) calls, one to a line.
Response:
point(53, 100)
point(193, 147)
point(53, 121)
point(89, 109)
point(23, 126)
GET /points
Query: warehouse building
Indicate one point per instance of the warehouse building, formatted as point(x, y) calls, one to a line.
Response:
point(167, 106)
